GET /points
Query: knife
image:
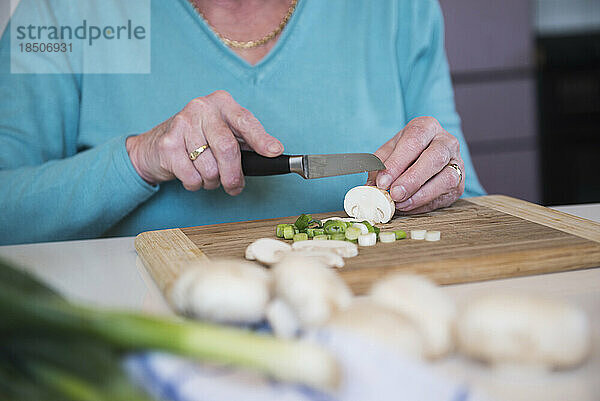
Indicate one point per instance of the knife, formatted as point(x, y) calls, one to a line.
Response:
point(310, 166)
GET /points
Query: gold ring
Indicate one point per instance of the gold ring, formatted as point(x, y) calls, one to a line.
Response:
point(197, 152)
point(458, 170)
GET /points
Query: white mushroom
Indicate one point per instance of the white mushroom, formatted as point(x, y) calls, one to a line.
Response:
point(524, 330)
point(329, 257)
point(267, 250)
point(369, 203)
point(283, 320)
point(313, 291)
point(378, 323)
point(343, 248)
point(224, 291)
point(424, 303)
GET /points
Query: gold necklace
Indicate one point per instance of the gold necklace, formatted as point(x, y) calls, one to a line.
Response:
point(251, 43)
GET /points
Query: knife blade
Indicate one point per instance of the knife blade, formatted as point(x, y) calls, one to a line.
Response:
point(310, 166)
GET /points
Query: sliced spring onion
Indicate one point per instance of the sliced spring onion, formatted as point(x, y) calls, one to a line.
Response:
point(315, 224)
point(310, 232)
point(418, 234)
point(369, 226)
point(320, 237)
point(334, 227)
point(369, 239)
point(387, 236)
point(354, 241)
point(288, 232)
point(300, 237)
point(279, 230)
point(399, 234)
point(352, 233)
point(338, 236)
point(362, 227)
point(302, 221)
point(433, 236)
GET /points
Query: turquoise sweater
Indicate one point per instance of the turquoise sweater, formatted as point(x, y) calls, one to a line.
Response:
point(345, 76)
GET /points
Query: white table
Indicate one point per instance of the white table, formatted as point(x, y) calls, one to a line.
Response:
point(107, 272)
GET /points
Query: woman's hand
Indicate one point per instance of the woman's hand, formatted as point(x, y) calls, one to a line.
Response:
point(163, 153)
point(418, 172)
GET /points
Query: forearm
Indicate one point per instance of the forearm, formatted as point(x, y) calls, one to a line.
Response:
point(78, 197)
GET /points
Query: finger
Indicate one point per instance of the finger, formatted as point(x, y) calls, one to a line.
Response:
point(382, 153)
point(207, 165)
point(430, 162)
point(442, 201)
point(226, 151)
point(446, 182)
point(243, 123)
point(415, 138)
point(173, 155)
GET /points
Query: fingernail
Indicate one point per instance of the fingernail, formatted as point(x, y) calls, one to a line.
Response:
point(398, 193)
point(404, 205)
point(275, 147)
point(384, 181)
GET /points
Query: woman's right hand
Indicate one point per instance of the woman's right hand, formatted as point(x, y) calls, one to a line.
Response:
point(163, 153)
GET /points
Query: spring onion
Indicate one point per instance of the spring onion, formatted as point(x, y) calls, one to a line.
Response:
point(362, 227)
point(352, 233)
point(334, 227)
point(418, 234)
point(40, 314)
point(433, 236)
point(387, 236)
point(369, 239)
point(315, 224)
point(400, 234)
point(279, 229)
point(288, 232)
point(302, 221)
point(300, 237)
point(338, 236)
point(320, 237)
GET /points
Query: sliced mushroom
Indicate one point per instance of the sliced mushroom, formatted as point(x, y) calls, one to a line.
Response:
point(343, 248)
point(524, 330)
point(226, 291)
point(378, 323)
point(267, 250)
point(423, 302)
point(369, 203)
point(312, 290)
point(327, 257)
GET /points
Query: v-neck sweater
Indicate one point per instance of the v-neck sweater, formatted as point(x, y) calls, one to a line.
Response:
point(344, 76)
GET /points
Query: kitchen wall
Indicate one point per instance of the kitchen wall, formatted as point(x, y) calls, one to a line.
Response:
point(490, 47)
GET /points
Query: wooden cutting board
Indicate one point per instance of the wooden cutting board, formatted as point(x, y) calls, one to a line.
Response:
point(483, 238)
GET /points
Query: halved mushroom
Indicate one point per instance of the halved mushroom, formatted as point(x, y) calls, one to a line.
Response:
point(312, 290)
point(424, 303)
point(267, 250)
point(369, 203)
point(343, 248)
point(524, 330)
point(225, 291)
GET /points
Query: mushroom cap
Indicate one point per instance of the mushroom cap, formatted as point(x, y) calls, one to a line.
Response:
point(343, 248)
point(267, 250)
point(225, 291)
point(424, 303)
point(376, 322)
point(369, 203)
point(312, 290)
point(524, 329)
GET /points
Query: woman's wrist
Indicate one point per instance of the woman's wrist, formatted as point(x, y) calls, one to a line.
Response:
point(131, 145)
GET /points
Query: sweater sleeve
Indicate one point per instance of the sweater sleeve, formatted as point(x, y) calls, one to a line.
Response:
point(49, 189)
point(426, 83)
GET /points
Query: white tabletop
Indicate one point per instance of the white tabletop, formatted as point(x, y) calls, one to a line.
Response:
point(107, 272)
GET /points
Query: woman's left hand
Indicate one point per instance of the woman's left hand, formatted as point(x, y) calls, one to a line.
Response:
point(418, 170)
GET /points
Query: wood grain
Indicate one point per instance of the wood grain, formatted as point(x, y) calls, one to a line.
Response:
point(165, 254)
point(482, 238)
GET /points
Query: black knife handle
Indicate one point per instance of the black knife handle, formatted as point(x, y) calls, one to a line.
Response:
point(255, 164)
